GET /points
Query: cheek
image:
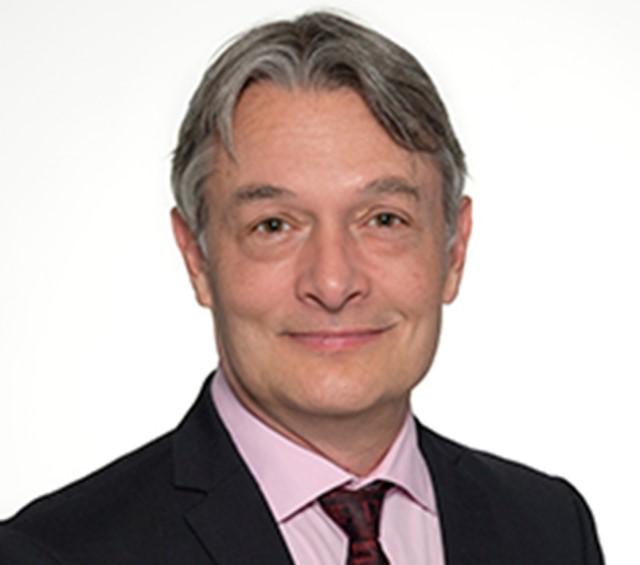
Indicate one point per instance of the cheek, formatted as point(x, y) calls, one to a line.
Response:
point(413, 281)
point(245, 290)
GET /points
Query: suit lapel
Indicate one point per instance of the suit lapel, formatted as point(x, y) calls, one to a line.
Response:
point(232, 521)
point(236, 527)
point(470, 534)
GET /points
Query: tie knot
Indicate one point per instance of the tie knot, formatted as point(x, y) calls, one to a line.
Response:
point(357, 512)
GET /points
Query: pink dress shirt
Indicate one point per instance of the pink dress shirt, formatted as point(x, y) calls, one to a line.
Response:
point(292, 477)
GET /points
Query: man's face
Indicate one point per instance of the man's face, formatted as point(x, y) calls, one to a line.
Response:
point(327, 264)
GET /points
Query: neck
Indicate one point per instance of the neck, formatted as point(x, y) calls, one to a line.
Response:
point(356, 442)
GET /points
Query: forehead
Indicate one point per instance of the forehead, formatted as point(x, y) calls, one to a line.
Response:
point(266, 106)
point(309, 136)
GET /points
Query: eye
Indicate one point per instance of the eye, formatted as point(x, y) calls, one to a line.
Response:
point(386, 220)
point(272, 226)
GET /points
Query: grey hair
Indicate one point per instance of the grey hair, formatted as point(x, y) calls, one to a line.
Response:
point(324, 51)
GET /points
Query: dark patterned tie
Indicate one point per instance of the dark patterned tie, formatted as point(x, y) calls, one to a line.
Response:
point(357, 512)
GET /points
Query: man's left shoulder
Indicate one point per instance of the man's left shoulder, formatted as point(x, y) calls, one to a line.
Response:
point(500, 474)
point(528, 508)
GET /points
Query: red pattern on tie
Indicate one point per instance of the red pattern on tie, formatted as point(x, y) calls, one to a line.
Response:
point(358, 515)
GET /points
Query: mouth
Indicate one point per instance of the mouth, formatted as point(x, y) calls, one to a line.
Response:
point(332, 340)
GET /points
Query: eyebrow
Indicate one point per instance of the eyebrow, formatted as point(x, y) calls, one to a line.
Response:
point(385, 185)
point(392, 185)
point(255, 192)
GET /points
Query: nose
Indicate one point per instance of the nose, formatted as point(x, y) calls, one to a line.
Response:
point(331, 270)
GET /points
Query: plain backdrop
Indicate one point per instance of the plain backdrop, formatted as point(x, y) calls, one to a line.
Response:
point(102, 346)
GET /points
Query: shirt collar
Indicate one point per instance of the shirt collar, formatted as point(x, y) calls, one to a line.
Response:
point(291, 477)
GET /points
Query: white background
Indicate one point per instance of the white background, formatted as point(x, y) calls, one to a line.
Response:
point(101, 344)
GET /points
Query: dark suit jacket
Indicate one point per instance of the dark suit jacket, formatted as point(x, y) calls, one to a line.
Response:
point(188, 499)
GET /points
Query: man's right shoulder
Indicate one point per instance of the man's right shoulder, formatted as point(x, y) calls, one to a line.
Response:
point(108, 500)
point(140, 468)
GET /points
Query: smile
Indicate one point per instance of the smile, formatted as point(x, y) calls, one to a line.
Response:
point(336, 340)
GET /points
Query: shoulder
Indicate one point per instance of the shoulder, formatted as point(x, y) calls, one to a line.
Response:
point(132, 510)
point(503, 478)
point(142, 470)
point(528, 507)
point(485, 467)
point(128, 495)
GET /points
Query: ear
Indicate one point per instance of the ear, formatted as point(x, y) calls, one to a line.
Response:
point(457, 252)
point(194, 259)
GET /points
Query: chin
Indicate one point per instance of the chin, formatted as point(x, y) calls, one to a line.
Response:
point(331, 392)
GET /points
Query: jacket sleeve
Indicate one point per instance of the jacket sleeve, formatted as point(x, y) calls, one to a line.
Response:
point(17, 548)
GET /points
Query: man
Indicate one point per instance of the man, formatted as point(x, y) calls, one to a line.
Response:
point(321, 219)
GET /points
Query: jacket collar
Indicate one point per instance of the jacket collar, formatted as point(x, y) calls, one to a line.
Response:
point(231, 518)
point(469, 531)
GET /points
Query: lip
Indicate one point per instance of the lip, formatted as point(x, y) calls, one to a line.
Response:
point(332, 340)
